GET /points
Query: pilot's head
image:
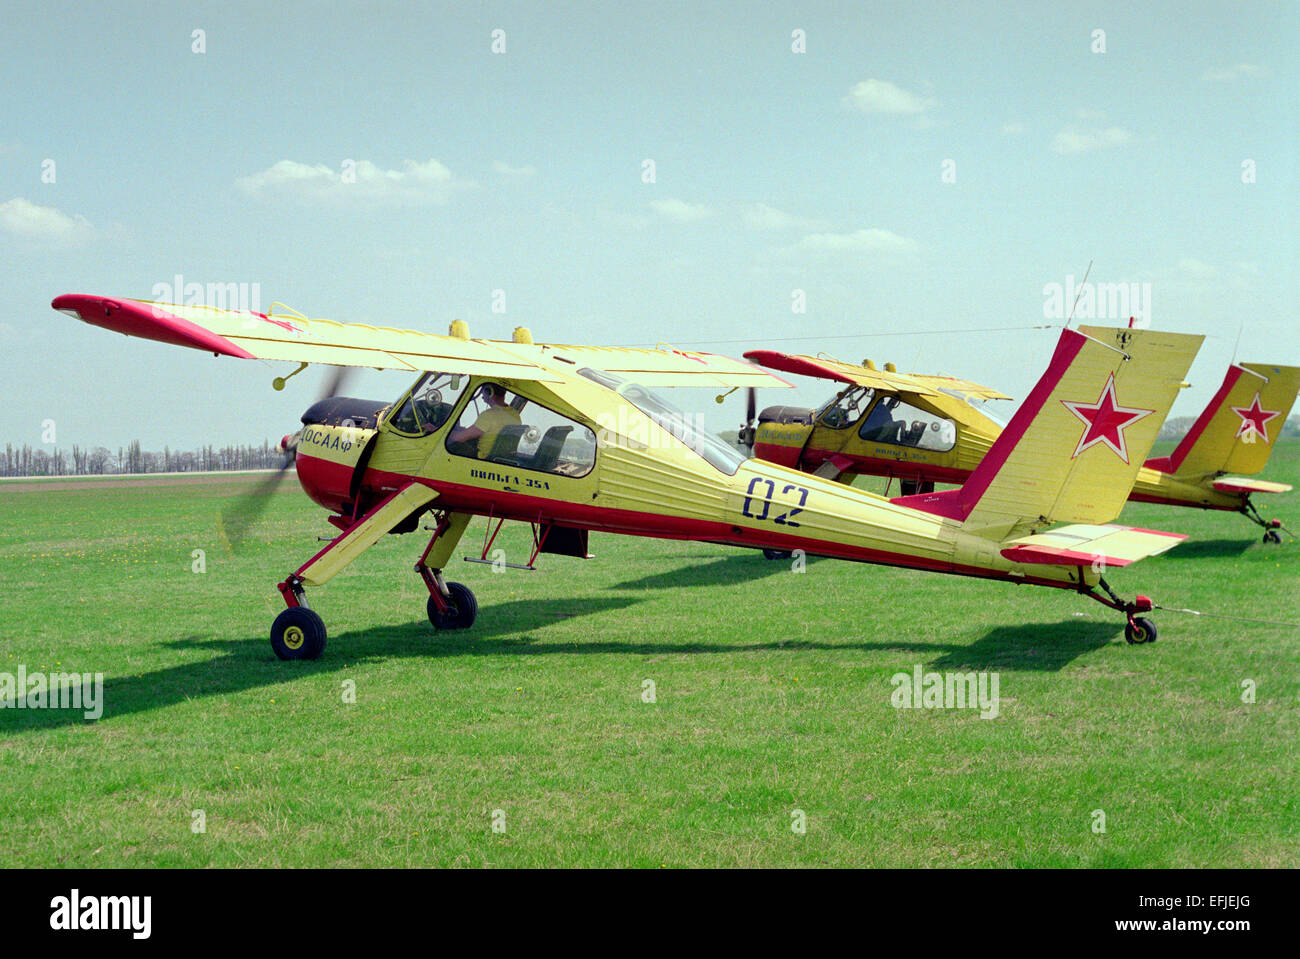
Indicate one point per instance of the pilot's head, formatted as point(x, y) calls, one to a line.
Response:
point(494, 394)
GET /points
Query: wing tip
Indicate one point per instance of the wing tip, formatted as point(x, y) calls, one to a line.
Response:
point(148, 321)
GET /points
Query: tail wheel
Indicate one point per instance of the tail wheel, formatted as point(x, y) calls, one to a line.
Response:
point(776, 554)
point(463, 611)
point(1272, 536)
point(298, 633)
point(1140, 630)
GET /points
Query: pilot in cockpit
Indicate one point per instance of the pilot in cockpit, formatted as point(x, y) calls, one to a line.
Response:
point(497, 416)
point(881, 425)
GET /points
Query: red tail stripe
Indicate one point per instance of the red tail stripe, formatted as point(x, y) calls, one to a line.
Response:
point(1170, 463)
point(958, 503)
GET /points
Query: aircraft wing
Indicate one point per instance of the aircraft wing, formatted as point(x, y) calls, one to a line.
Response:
point(828, 369)
point(294, 338)
point(659, 367)
point(969, 390)
point(885, 380)
point(249, 335)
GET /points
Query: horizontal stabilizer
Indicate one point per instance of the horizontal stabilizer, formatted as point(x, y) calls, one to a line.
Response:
point(1082, 545)
point(1238, 484)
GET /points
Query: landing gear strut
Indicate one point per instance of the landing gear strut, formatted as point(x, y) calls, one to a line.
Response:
point(1137, 629)
point(1271, 526)
point(451, 605)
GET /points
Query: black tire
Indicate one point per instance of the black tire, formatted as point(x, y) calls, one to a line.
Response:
point(1141, 630)
point(298, 633)
point(463, 612)
point(776, 554)
point(1272, 536)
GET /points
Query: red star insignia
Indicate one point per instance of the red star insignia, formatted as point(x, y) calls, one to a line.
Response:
point(1254, 418)
point(1106, 421)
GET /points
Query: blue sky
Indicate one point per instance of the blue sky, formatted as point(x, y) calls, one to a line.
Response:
point(522, 171)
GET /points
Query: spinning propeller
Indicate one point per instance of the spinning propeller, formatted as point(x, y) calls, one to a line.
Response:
point(236, 520)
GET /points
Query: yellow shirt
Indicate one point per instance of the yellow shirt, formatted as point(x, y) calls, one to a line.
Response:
point(492, 421)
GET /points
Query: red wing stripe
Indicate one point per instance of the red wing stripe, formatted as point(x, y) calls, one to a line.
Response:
point(147, 321)
point(794, 364)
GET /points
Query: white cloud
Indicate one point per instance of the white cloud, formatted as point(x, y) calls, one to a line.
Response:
point(881, 96)
point(760, 216)
point(1239, 72)
point(21, 218)
point(1193, 269)
point(1013, 127)
point(870, 241)
point(506, 170)
point(357, 181)
point(679, 211)
point(1075, 139)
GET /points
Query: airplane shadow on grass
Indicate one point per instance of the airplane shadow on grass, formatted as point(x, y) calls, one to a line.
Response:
point(1031, 647)
point(504, 630)
point(722, 571)
point(1209, 548)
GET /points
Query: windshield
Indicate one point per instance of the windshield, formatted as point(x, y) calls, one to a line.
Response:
point(843, 409)
point(429, 403)
point(686, 427)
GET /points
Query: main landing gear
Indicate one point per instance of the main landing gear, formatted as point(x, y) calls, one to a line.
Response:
point(1137, 629)
point(451, 605)
point(299, 632)
point(1271, 526)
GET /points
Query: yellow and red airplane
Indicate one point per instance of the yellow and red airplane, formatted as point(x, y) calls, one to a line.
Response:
point(936, 429)
point(570, 439)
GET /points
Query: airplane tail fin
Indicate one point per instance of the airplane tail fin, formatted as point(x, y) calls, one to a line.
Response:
point(1236, 431)
point(1075, 445)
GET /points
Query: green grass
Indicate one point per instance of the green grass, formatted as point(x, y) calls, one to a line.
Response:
point(772, 695)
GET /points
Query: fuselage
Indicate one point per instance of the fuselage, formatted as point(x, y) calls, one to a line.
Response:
point(645, 481)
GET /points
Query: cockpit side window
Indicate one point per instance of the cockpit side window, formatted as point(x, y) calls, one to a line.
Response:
point(498, 426)
point(901, 424)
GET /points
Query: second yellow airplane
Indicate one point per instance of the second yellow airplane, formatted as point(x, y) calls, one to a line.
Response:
point(924, 430)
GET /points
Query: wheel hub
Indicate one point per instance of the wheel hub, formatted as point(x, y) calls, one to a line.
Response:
point(293, 637)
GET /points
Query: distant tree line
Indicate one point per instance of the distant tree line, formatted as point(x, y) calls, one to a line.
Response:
point(26, 460)
point(1176, 427)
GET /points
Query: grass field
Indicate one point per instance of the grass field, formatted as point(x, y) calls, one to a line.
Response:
point(772, 695)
